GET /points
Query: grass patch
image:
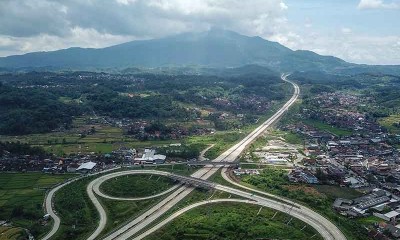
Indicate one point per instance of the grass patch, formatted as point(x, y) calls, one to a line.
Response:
point(180, 169)
point(293, 138)
point(328, 128)
point(233, 221)
point(334, 192)
point(391, 123)
point(78, 215)
point(136, 185)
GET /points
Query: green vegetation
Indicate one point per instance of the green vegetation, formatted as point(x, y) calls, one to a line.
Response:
point(234, 221)
point(120, 212)
point(317, 197)
point(334, 192)
point(78, 214)
point(156, 98)
point(329, 128)
point(136, 185)
point(177, 108)
point(22, 196)
point(391, 123)
point(11, 233)
point(185, 151)
point(293, 138)
point(222, 141)
point(24, 111)
point(20, 148)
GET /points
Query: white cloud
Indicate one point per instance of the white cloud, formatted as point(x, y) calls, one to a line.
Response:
point(78, 37)
point(376, 4)
point(44, 20)
point(346, 30)
point(354, 48)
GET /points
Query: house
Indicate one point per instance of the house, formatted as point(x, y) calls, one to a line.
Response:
point(355, 182)
point(309, 178)
point(391, 216)
point(72, 167)
point(342, 204)
point(302, 175)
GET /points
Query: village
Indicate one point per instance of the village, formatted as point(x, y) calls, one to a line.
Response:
point(80, 163)
point(355, 152)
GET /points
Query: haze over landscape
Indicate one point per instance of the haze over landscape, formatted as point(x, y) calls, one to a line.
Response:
point(200, 119)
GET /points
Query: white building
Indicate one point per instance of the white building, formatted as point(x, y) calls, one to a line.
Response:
point(86, 167)
point(150, 157)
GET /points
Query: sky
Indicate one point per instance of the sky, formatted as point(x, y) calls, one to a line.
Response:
point(359, 31)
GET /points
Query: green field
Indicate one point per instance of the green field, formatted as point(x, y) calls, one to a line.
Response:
point(234, 221)
point(334, 192)
point(104, 140)
point(77, 213)
point(328, 128)
point(389, 123)
point(136, 185)
point(22, 196)
point(11, 233)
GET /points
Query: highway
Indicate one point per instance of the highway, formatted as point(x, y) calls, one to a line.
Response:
point(321, 224)
point(327, 229)
point(230, 155)
point(49, 208)
point(294, 213)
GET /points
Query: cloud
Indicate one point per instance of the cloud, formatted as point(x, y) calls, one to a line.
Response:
point(377, 4)
point(140, 18)
point(345, 44)
point(56, 23)
point(89, 38)
point(346, 30)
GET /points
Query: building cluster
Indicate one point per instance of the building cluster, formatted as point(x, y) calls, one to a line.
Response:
point(79, 163)
point(302, 175)
point(255, 103)
point(27, 163)
point(239, 171)
point(340, 110)
point(354, 152)
point(380, 203)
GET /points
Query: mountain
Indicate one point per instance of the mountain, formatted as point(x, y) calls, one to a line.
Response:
point(214, 48)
